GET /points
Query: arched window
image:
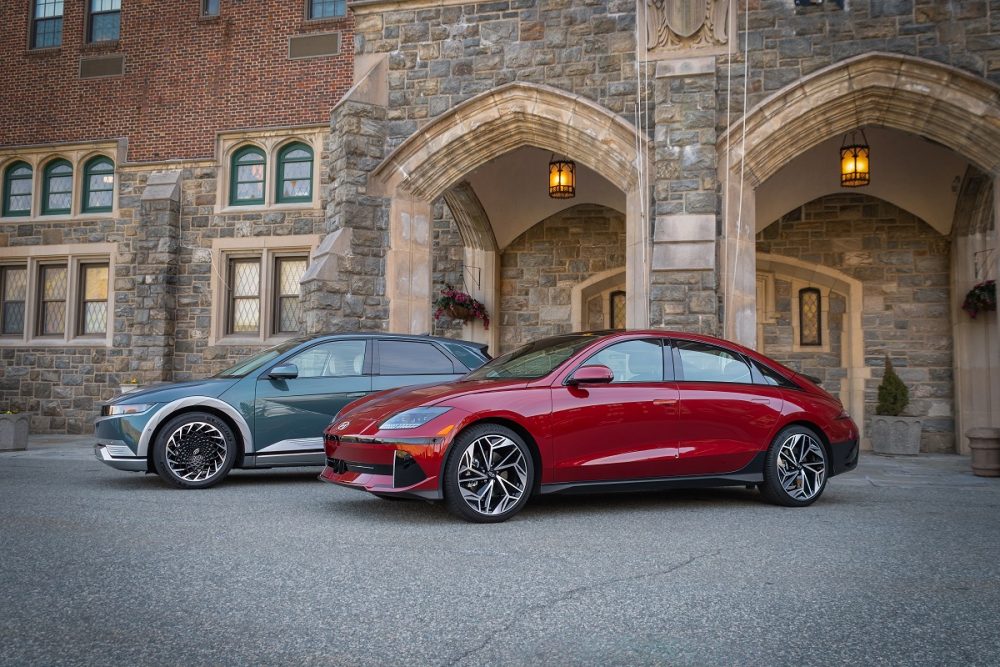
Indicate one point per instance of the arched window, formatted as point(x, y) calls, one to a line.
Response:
point(17, 189)
point(98, 185)
point(246, 177)
point(57, 188)
point(295, 163)
point(810, 316)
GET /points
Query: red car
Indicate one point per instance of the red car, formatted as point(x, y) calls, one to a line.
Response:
point(601, 411)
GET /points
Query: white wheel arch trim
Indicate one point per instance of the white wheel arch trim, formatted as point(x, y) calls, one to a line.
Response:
point(168, 410)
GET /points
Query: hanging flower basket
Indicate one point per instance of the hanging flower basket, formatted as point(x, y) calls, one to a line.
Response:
point(458, 305)
point(981, 298)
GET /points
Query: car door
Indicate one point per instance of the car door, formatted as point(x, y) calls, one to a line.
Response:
point(402, 362)
point(290, 414)
point(724, 419)
point(622, 430)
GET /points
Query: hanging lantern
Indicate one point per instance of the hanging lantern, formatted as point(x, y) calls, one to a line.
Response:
point(562, 179)
point(855, 169)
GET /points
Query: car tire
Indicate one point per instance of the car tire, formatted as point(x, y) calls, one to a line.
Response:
point(194, 450)
point(796, 468)
point(489, 474)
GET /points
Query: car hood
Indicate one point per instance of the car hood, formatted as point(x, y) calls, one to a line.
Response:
point(166, 392)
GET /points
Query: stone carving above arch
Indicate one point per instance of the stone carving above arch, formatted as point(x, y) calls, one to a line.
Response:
point(676, 28)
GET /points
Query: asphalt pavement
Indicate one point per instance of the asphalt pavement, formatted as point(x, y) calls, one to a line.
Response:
point(898, 563)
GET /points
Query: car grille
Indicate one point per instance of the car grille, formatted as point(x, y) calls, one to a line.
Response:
point(340, 466)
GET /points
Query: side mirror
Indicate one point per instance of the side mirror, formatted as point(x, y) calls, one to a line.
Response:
point(285, 372)
point(591, 375)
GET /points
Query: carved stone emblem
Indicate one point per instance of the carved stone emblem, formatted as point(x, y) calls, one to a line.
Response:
point(674, 26)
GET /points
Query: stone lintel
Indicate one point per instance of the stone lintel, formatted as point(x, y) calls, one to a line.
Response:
point(163, 186)
point(685, 67)
point(686, 256)
point(684, 228)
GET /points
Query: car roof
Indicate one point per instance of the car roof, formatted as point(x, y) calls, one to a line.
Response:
point(378, 334)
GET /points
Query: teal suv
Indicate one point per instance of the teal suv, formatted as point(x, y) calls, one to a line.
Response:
point(269, 410)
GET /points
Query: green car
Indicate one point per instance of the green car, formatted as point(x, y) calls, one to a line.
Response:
point(269, 410)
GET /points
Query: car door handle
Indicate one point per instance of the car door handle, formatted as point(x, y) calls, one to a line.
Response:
point(665, 401)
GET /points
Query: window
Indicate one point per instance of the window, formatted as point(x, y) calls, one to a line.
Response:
point(247, 177)
point(772, 377)
point(17, 189)
point(632, 361)
point(104, 20)
point(405, 357)
point(210, 7)
point(52, 300)
point(57, 188)
point(288, 275)
point(700, 362)
point(46, 24)
point(810, 316)
point(263, 294)
point(98, 185)
point(617, 309)
point(321, 9)
point(244, 296)
point(342, 358)
point(13, 290)
point(466, 355)
point(93, 299)
point(295, 163)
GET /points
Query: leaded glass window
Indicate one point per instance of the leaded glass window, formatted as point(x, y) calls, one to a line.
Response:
point(94, 306)
point(810, 316)
point(57, 188)
point(46, 24)
point(617, 307)
point(295, 163)
point(17, 189)
point(288, 273)
point(244, 296)
point(52, 302)
point(13, 292)
point(104, 20)
point(321, 9)
point(247, 176)
point(98, 185)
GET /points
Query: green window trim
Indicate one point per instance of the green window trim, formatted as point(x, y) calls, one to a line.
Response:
point(99, 166)
point(293, 155)
point(56, 169)
point(249, 156)
point(9, 179)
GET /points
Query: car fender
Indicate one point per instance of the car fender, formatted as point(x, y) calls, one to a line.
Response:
point(167, 411)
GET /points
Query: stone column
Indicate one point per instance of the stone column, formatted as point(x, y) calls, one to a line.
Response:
point(683, 292)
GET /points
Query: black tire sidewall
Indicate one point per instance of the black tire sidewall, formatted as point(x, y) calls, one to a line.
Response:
point(160, 450)
point(771, 487)
point(453, 495)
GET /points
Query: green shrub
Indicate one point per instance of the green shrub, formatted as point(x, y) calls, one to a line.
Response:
point(892, 393)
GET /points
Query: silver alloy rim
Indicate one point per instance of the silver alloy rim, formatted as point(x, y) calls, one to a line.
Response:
point(801, 466)
point(196, 451)
point(492, 474)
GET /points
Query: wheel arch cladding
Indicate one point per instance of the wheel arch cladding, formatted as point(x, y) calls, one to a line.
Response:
point(529, 440)
point(226, 419)
point(824, 440)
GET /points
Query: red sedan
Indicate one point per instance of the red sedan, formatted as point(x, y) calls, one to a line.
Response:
point(596, 412)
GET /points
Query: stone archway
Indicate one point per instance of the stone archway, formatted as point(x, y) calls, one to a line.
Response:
point(485, 127)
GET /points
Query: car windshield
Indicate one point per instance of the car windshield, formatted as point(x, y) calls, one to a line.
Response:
point(248, 366)
point(533, 360)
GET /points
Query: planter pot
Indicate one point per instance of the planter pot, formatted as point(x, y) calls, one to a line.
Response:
point(459, 313)
point(14, 432)
point(985, 446)
point(896, 435)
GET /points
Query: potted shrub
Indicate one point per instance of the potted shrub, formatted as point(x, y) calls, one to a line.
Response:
point(981, 298)
point(13, 431)
point(458, 305)
point(892, 433)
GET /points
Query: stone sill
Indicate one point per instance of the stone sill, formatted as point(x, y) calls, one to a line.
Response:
point(269, 208)
point(245, 342)
point(22, 219)
point(55, 342)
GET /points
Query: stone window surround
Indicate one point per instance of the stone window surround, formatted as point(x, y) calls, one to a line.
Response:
point(766, 311)
point(271, 141)
point(268, 249)
point(78, 155)
point(73, 255)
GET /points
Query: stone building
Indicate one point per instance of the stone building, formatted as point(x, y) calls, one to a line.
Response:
point(186, 182)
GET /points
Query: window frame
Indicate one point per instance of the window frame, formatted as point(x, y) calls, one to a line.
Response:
point(205, 13)
point(611, 307)
point(82, 301)
point(37, 20)
point(231, 262)
point(679, 363)
point(41, 301)
point(89, 28)
point(310, 10)
point(277, 295)
point(819, 318)
point(234, 182)
point(8, 178)
point(377, 363)
point(4, 270)
point(87, 170)
point(47, 175)
point(279, 172)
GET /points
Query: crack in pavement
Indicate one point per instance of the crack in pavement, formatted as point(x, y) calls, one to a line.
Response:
point(566, 595)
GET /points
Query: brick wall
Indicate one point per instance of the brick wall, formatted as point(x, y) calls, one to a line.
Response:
point(185, 77)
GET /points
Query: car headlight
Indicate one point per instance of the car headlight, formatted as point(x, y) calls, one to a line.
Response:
point(411, 418)
point(126, 409)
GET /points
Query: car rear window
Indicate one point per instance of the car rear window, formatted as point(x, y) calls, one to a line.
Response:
point(406, 357)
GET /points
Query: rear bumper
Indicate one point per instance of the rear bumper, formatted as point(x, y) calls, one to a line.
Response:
point(110, 453)
point(845, 456)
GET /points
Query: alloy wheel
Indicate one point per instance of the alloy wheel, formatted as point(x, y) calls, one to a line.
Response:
point(801, 466)
point(196, 451)
point(492, 474)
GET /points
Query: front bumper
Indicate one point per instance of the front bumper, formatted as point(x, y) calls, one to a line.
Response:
point(407, 467)
point(116, 454)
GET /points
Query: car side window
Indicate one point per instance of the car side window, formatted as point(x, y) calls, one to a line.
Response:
point(771, 377)
point(632, 360)
point(341, 358)
point(466, 355)
point(407, 357)
point(700, 362)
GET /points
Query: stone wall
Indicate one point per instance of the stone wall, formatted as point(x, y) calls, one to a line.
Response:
point(903, 265)
point(448, 257)
point(540, 268)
